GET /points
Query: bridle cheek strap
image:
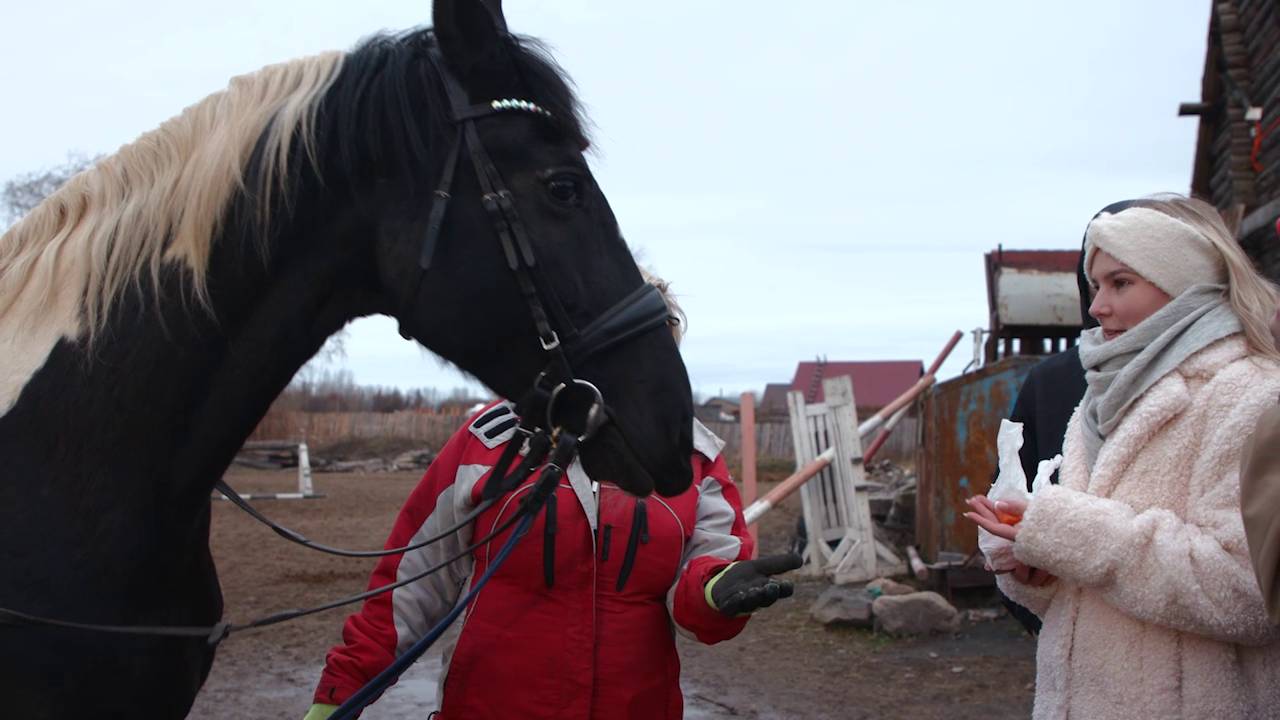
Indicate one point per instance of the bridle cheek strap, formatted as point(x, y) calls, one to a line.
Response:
point(639, 312)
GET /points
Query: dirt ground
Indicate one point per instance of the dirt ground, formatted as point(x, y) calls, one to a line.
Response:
point(783, 665)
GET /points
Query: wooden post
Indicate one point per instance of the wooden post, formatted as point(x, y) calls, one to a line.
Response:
point(304, 470)
point(747, 420)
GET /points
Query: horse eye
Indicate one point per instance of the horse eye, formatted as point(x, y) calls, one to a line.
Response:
point(565, 189)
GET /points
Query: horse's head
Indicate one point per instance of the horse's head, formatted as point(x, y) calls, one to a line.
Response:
point(459, 296)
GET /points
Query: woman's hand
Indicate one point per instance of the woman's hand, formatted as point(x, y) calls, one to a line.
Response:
point(987, 515)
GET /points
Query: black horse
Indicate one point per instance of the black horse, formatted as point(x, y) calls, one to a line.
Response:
point(152, 309)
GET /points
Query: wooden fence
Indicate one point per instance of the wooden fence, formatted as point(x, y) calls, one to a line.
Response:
point(321, 428)
point(773, 438)
point(774, 442)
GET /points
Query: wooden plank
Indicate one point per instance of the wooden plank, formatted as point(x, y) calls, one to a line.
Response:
point(802, 438)
point(835, 501)
point(747, 460)
point(1264, 75)
point(855, 506)
point(1260, 218)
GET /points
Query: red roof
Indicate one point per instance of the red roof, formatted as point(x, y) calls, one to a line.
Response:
point(774, 400)
point(1044, 260)
point(876, 383)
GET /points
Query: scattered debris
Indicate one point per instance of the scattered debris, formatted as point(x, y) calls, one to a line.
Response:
point(978, 615)
point(413, 460)
point(277, 455)
point(353, 466)
point(268, 455)
point(892, 495)
point(885, 586)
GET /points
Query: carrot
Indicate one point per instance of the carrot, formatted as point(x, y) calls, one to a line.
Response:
point(1008, 518)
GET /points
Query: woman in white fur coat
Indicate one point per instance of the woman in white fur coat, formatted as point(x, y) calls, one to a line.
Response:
point(1137, 561)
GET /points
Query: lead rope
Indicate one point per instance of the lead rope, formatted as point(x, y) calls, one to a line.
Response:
point(214, 634)
point(375, 687)
point(296, 537)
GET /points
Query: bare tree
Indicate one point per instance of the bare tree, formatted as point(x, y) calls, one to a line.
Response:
point(333, 352)
point(22, 193)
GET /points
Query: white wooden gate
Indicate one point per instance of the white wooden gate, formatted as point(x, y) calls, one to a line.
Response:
point(837, 514)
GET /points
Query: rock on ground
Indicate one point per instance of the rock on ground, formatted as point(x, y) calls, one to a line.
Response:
point(843, 605)
point(918, 613)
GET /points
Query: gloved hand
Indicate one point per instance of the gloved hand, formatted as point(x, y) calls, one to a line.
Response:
point(744, 587)
point(320, 711)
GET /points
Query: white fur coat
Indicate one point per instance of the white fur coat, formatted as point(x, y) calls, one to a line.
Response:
point(1156, 612)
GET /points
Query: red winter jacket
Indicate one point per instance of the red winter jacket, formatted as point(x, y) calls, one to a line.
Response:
point(598, 642)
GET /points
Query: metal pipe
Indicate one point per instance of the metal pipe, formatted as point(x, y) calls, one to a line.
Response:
point(788, 486)
point(891, 412)
point(874, 447)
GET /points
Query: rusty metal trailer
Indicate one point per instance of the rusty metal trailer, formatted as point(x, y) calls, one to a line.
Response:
point(960, 419)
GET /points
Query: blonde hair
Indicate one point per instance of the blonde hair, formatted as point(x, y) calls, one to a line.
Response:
point(1252, 296)
point(159, 199)
point(679, 321)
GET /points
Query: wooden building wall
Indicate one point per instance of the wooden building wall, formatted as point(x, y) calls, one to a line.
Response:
point(1237, 164)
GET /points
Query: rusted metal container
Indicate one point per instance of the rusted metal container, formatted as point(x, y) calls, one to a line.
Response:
point(1033, 301)
point(960, 420)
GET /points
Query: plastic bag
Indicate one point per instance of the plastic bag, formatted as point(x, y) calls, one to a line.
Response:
point(1011, 484)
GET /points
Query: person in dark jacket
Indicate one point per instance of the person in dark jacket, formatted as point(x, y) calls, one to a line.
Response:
point(1049, 395)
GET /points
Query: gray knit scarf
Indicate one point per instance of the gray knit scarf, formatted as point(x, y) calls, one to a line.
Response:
point(1119, 371)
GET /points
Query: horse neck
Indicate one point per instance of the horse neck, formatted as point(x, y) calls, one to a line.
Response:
point(160, 403)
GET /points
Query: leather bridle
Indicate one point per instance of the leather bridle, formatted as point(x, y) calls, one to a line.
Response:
point(637, 313)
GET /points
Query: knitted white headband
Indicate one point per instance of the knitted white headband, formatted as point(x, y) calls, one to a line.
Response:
point(1168, 252)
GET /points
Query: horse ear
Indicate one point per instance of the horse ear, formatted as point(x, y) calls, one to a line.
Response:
point(472, 36)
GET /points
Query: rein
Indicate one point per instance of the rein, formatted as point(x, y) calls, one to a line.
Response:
point(294, 536)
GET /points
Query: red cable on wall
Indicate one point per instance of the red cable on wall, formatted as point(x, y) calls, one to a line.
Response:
point(1258, 136)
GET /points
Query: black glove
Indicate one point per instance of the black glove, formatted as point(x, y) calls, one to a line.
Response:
point(745, 586)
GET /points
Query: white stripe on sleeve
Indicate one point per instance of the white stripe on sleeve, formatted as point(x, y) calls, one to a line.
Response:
point(418, 606)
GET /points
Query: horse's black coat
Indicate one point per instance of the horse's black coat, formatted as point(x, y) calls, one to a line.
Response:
point(109, 454)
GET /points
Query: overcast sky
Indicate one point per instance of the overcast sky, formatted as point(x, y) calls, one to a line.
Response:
point(813, 178)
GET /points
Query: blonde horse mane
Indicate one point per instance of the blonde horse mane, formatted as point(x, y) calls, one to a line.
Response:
point(156, 201)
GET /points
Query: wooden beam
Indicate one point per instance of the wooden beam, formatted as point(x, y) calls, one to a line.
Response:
point(1260, 218)
point(747, 422)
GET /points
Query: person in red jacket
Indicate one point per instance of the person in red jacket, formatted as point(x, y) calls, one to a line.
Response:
point(580, 620)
